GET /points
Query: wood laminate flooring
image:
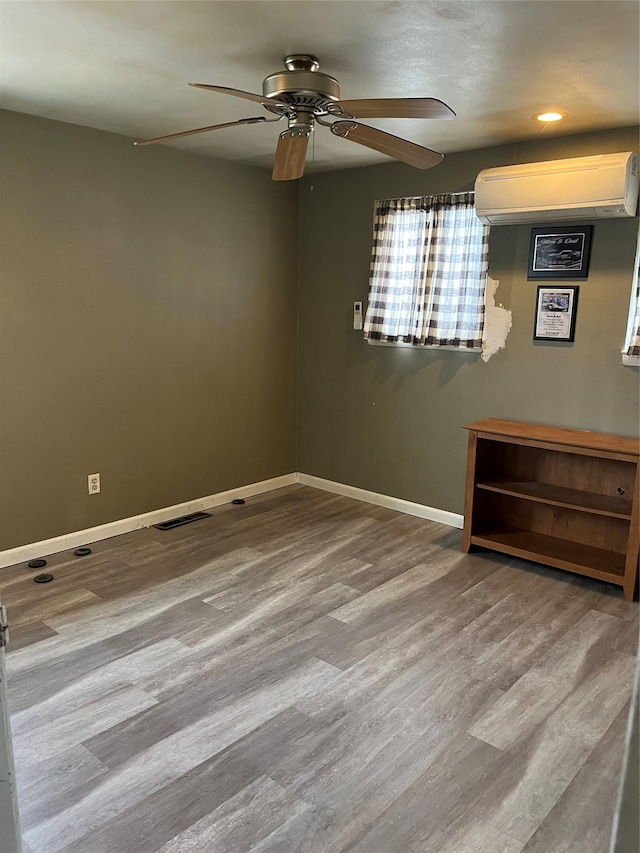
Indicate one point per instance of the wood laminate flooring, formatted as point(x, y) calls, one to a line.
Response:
point(311, 674)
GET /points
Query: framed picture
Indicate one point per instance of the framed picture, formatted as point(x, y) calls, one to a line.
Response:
point(561, 252)
point(555, 312)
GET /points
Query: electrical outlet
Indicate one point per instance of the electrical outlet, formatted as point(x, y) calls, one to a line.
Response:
point(94, 483)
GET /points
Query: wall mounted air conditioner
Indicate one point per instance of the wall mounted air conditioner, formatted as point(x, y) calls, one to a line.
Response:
point(598, 187)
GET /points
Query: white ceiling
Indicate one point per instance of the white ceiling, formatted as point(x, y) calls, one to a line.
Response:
point(124, 66)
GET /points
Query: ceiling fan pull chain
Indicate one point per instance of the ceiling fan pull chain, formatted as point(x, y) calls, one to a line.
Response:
point(313, 160)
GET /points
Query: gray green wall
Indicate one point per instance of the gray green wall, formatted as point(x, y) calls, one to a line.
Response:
point(390, 420)
point(148, 331)
point(147, 327)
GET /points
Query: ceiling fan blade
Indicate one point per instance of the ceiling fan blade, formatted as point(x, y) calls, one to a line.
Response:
point(238, 93)
point(397, 108)
point(290, 157)
point(394, 146)
point(255, 120)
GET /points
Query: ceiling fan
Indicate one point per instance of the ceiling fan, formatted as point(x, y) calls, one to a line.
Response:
point(304, 96)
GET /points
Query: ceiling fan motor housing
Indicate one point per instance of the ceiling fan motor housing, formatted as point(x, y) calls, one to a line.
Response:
point(302, 84)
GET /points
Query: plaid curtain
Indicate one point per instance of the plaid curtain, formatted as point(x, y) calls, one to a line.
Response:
point(633, 347)
point(428, 272)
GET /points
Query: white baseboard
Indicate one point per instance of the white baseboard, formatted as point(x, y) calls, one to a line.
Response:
point(136, 522)
point(74, 540)
point(443, 516)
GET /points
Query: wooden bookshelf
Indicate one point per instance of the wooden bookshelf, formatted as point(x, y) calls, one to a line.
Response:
point(567, 498)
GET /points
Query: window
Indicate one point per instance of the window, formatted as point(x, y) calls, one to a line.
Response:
point(428, 272)
point(631, 351)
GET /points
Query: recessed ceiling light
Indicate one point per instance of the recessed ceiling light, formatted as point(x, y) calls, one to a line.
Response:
point(551, 116)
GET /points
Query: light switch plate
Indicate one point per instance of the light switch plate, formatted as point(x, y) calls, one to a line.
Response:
point(357, 316)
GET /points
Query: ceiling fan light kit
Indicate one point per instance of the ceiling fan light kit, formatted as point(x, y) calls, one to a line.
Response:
point(304, 96)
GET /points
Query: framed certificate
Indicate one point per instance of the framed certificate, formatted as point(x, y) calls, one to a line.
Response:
point(555, 312)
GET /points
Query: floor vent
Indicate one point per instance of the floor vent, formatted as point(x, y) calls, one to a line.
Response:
point(183, 519)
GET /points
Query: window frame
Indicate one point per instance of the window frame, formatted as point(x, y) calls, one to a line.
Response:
point(633, 320)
